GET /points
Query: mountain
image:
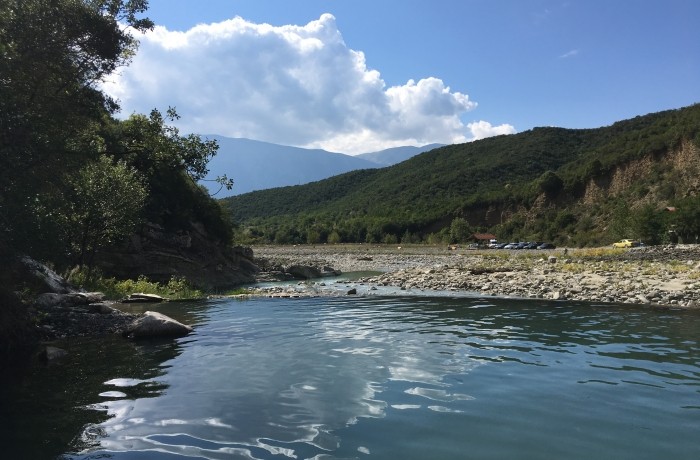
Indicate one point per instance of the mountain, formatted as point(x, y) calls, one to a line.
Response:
point(574, 186)
point(396, 155)
point(255, 165)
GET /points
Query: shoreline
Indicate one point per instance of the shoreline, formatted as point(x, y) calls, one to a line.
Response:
point(666, 276)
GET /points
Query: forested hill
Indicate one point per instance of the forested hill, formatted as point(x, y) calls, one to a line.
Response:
point(511, 184)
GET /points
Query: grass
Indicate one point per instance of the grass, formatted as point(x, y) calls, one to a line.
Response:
point(175, 289)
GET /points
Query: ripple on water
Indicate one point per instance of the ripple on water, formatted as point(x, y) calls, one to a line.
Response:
point(412, 378)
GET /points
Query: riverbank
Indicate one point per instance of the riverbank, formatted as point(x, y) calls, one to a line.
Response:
point(659, 275)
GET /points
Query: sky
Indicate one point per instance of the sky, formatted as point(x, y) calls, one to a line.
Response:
point(356, 76)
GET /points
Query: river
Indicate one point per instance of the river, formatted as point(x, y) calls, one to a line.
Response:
point(380, 377)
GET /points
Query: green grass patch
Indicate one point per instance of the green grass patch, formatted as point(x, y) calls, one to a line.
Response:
point(175, 289)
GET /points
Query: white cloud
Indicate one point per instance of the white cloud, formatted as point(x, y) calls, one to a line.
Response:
point(483, 129)
point(293, 85)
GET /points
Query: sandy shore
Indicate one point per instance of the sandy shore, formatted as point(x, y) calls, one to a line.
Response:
point(662, 275)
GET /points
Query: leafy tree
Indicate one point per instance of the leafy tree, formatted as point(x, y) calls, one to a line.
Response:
point(649, 224)
point(550, 183)
point(334, 237)
point(101, 208)
point(171, 165)
point(686, 219)
point(460, 231)
point(52, 55)
point(621, 222)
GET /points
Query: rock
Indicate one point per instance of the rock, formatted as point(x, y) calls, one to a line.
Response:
point(642, 298)
point(102, 309)
point(552, 259)
point(329, 271)
point(352, 291)
point(51, 354)
point(50, 300)
point(140, 297)
point(303, 272)
point(154, 324)
point(50, 281)
point(190, 253)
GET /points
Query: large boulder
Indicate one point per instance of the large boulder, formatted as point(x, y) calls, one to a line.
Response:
point(154, 324)
point(303, 272)
point(306, 272)
point(45, 279)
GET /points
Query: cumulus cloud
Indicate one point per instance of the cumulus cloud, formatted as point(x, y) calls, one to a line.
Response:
point(483, 129)
point(292, 85)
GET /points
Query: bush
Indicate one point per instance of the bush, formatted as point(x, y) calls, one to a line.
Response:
point(177, 288)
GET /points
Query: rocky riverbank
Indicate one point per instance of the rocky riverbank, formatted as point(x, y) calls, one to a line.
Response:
point(662, 275)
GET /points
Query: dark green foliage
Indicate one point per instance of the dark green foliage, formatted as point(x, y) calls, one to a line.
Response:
point(497, 184)
point(686, 219)
point(550, 184)
point(55, 122)
point(101, 207)
point(460, 231)
point(52, 53)
point(649, 224)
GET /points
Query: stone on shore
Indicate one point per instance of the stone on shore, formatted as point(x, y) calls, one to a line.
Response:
point(140, 297)
point(154, 324)
point(50, 300)
point(51, 354)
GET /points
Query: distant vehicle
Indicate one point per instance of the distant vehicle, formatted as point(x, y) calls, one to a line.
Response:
point(533, 245)
point(626, 243)
point(546, 246)
point(501, 245)
point(511, 246)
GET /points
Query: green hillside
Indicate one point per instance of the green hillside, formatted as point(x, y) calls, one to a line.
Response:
point(528, 185)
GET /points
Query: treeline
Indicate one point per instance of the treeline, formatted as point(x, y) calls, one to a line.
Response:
point(73, 178)
point(528, 186)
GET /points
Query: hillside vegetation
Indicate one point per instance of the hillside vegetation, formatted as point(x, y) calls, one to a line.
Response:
point(576, 187)
point(75, 181)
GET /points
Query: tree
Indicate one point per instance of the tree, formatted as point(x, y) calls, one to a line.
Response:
point(101, 208)
point(460, 232)
point(687, 219)
point(550, 183)
point(52, 55)
point(649, 224)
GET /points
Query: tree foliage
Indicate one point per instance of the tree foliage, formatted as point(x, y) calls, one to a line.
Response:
point(102, 206)
point(52, 55)
point(71, 175)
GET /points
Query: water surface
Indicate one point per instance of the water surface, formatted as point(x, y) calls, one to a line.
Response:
point(373, 377)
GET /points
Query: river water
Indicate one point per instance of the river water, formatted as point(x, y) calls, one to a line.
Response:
point(381, 377)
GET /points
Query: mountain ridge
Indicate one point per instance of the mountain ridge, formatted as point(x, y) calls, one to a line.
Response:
point(528, 185)
point(256, 165)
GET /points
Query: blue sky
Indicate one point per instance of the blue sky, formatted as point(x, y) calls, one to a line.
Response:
point(382, 73)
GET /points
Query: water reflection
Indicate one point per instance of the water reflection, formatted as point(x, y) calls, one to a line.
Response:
point(398, 378)
point(42, 410)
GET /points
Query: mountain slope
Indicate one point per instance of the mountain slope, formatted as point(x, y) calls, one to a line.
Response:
point(255, 165)
point(533, 183)
point(396, 155)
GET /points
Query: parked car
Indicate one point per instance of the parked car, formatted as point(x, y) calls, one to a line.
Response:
point(511, 246)
point(533, 245)
point(546, 246)
point(626, 243)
